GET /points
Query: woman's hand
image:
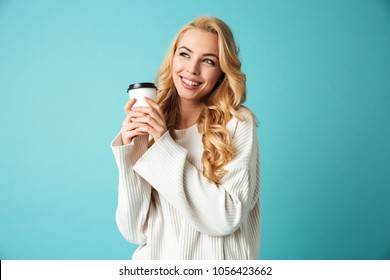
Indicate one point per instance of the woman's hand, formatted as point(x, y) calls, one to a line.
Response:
point(149, 120)
point(128, 131)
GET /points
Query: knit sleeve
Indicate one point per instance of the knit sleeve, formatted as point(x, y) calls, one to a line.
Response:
point(211, 209)
point(133, 191)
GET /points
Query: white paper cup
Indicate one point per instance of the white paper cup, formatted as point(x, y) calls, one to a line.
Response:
point(141, 90)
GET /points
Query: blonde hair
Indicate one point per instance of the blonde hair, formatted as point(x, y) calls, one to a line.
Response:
point(220, 105)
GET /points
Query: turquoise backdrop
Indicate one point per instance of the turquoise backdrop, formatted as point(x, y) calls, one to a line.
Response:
point(318, 77)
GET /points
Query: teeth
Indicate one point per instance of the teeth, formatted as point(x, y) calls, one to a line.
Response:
point(190, 83)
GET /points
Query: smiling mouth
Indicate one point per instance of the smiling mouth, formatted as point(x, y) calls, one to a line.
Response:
point(189, 82)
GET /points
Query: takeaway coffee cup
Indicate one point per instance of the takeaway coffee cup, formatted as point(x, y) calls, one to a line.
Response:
point(141, 90)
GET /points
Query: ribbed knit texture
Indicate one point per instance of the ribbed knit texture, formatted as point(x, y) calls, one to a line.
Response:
point(172, 211)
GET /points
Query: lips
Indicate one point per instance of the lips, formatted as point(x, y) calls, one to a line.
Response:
point(189, 84)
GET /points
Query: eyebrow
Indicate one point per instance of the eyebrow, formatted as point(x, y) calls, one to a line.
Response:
point(205, 54)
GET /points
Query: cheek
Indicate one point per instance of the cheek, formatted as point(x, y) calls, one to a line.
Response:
point(214, 76)
point(177, 65)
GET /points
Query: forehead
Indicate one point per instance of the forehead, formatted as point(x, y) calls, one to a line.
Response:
point(199, 41)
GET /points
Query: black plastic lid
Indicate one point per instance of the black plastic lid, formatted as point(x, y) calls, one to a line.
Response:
point(141, 85)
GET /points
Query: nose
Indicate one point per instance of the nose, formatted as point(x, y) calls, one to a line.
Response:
point(193, 68)
point(192, 73)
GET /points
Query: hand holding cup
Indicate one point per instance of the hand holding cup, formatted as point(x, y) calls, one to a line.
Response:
point(143, 115)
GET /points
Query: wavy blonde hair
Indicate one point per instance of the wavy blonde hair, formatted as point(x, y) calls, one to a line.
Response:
point(224, 102)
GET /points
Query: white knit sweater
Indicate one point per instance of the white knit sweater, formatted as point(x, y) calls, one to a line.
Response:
point(172, 211)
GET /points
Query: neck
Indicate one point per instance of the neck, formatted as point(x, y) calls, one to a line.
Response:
point(189, 113)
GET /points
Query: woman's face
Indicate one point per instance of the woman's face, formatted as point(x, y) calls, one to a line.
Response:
point(196, 67)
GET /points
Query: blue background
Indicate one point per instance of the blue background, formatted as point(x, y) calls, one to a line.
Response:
point(318, 80)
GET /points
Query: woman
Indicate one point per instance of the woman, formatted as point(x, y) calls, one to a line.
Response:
point(193, 192)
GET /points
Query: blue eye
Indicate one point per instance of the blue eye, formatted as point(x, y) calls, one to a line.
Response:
point(184, 54)
point(209, 61)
